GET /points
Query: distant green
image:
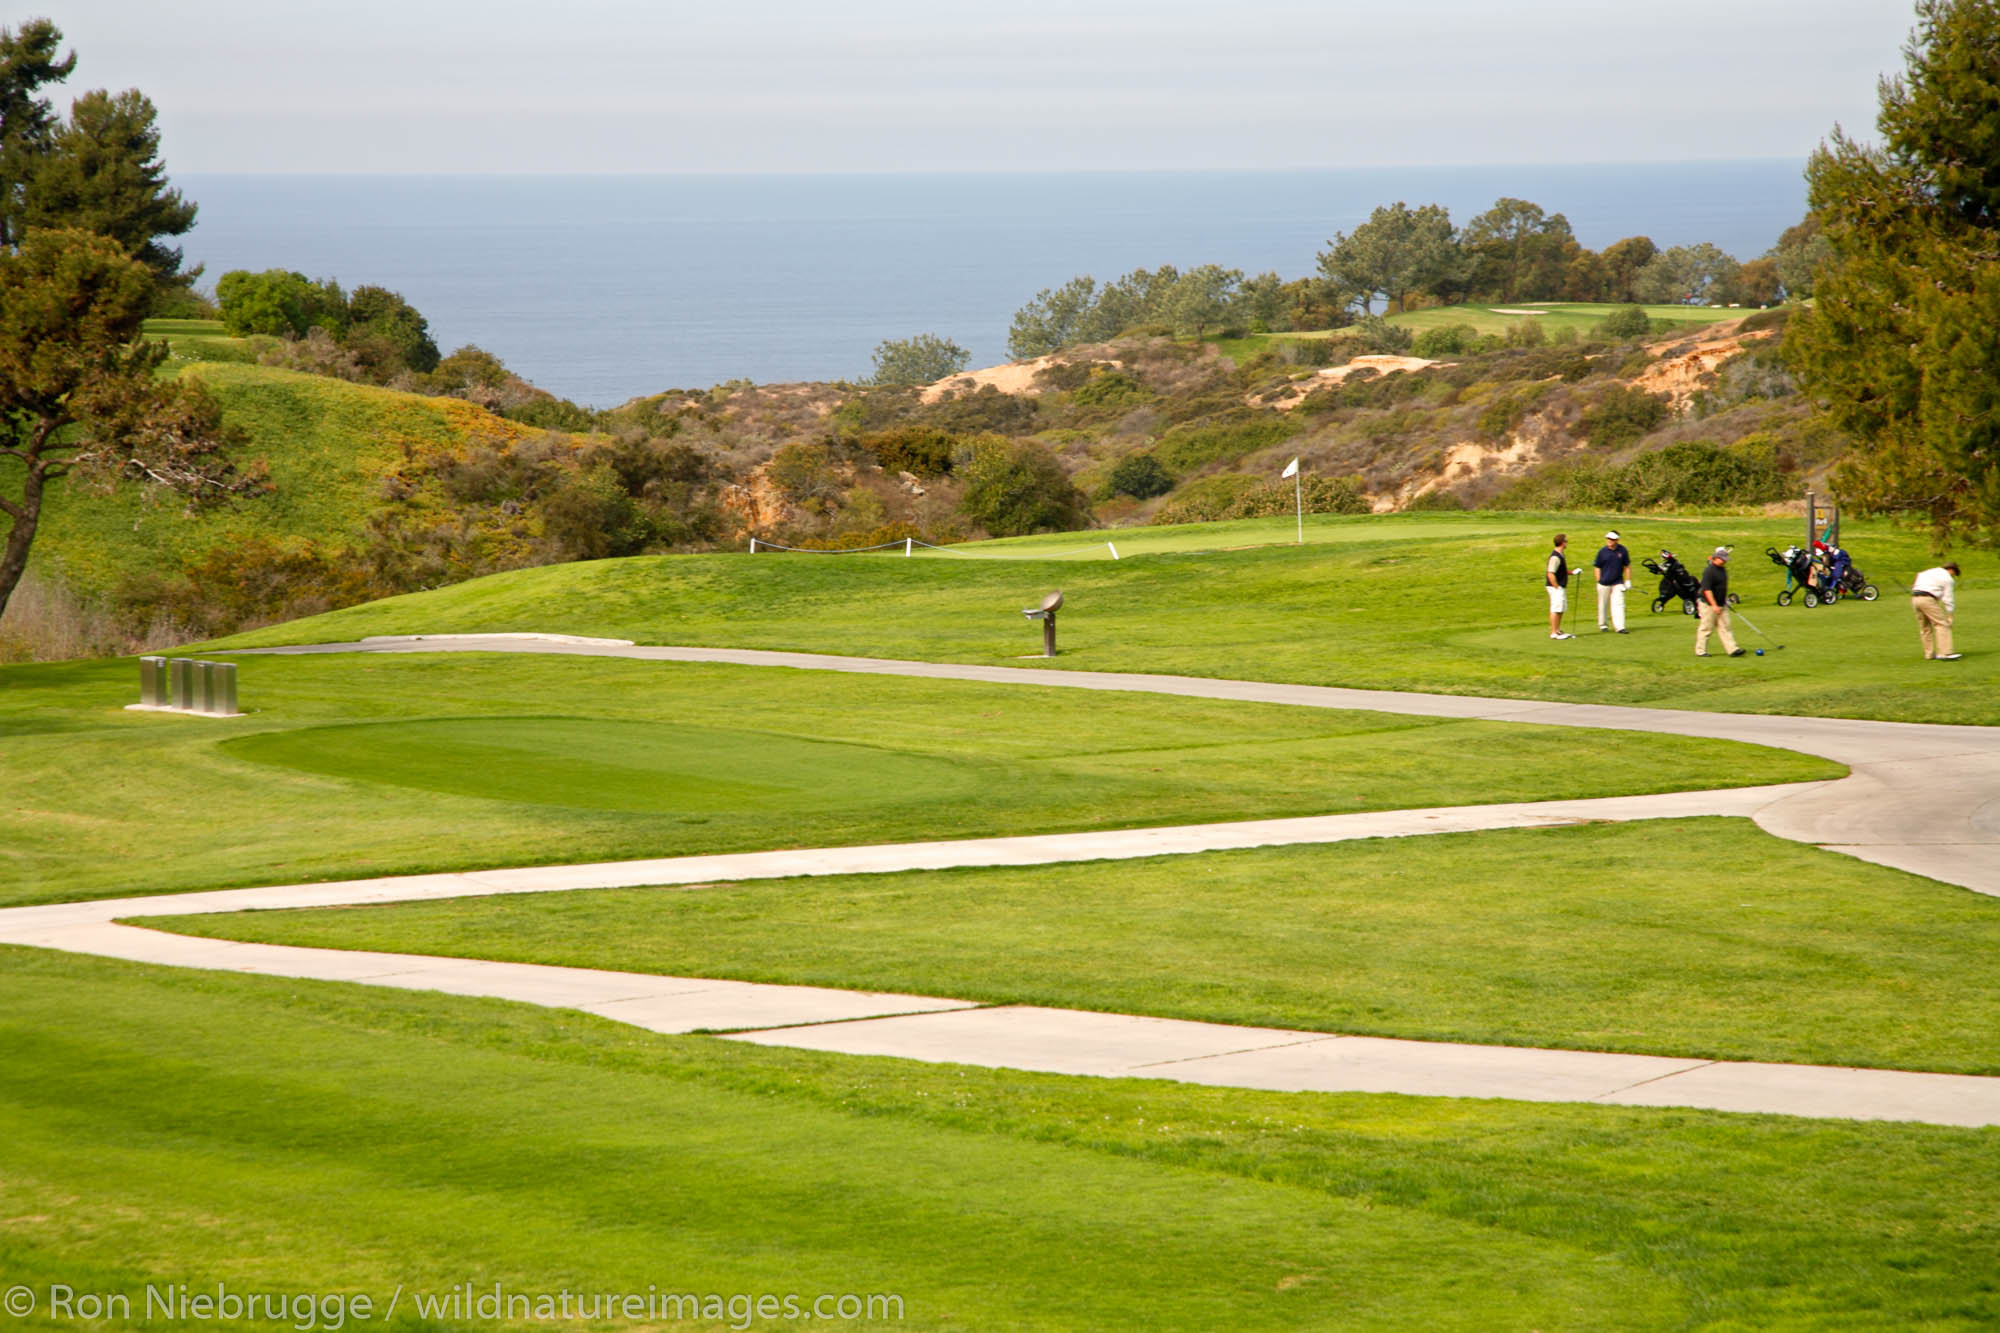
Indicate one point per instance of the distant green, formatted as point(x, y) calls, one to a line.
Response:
point(1581, 316)
point(1499, 317)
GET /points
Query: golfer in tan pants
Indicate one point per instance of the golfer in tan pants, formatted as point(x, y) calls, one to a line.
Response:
point(1932, 599)
point(1714, 606)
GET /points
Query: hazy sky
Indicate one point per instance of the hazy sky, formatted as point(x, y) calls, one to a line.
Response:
point(890, 85)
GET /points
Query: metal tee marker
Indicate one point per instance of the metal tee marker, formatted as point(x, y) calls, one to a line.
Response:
point(183, 685)
point(1046, 613)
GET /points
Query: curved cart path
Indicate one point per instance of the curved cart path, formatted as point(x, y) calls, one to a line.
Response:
point(1922, 798)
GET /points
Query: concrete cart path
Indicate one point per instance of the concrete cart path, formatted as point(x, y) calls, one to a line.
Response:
point(1920, 797)
point(1065, 1041)
point(1927, 778)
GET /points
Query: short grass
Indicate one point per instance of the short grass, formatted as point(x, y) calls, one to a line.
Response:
point(201, 1128)
point(1445, 603)
point(355, 766)
point(1655, 937)
point(198, 339)
point(1581, 317)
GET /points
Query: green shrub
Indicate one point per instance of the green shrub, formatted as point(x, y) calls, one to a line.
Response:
point(552, 414)
point(1445, 340)
point(918, 360)
point(1141, 477)
point(1015, 487)
point(1207, 499)
point(1631, 322)
point(1691, 473)
point(807, 476)
point(1264, 499)
point(1695, 473)
point(1372, 334)
point(1775, 318)
point(591, 517)
point(1109, 388)
point(986, 409)
point(921, 451)
point(1439, 499)
point(1503, 416)
point(1188, 448)
point(1622, 414)
point(1067, 376)
point(1320, 495)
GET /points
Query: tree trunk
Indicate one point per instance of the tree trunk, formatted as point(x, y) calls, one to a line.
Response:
point(27, 515)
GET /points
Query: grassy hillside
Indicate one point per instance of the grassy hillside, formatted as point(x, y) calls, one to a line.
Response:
point(379, 492)
point(330, 446)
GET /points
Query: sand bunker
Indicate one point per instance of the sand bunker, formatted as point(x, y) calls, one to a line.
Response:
point(1015, 377)
point(1382, 365)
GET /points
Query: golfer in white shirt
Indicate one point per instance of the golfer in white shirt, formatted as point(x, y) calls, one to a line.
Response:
point(1931, 597)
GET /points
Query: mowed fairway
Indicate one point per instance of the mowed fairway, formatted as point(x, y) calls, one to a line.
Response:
point(198, 1128)
point(1580, 317)
point(1445, 603)
point(1623, 937)
point(278, 1135)
point(357, 766)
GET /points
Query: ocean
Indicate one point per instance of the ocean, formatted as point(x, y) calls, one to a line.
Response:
point(604, 288)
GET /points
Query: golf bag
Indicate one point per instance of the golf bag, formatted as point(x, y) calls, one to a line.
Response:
point(1821, 576)
point(1676, 584)
point(1797, 562)
point(1845, 578)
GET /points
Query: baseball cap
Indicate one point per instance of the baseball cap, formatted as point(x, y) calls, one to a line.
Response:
point(1611, 536)
point(1722, 551)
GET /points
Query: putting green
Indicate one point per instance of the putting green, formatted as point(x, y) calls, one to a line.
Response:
point(598, 764)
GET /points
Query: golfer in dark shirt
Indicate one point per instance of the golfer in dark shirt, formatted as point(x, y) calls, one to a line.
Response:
point(1714, 606)
point(1614, 576)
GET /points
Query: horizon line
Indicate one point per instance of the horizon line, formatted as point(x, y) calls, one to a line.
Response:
point(993, 171)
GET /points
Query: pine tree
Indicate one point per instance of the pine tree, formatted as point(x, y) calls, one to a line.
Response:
point(79, 393)
point(1900, 346)
point(98, 170)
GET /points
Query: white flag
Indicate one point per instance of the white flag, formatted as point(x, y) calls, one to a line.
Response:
point(1291, 469)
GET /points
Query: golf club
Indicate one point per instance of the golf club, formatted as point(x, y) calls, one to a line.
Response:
point(1775, 645)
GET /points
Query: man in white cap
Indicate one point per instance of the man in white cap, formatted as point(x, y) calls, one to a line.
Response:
point(1614, 576)
point(1932, 596)
point(1714, 606)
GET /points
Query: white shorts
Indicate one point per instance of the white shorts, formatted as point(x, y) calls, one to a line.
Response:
point(1558, 599)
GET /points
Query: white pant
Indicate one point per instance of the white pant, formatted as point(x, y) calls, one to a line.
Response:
point(1558, 599)
point(1613, 596)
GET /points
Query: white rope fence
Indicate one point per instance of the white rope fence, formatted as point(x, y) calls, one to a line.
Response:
point(909, 546)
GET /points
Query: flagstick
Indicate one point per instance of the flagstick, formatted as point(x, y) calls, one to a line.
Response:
point(1299, 498)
